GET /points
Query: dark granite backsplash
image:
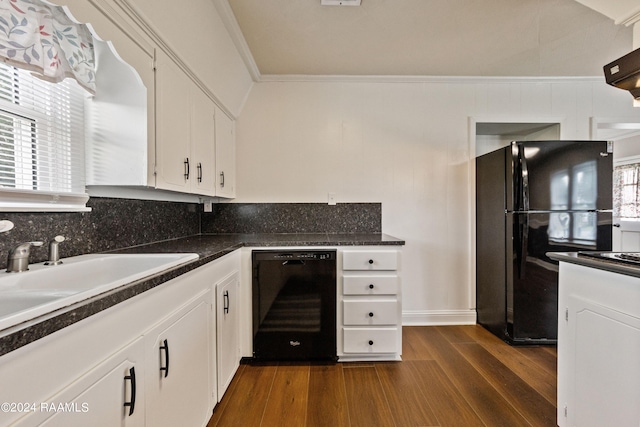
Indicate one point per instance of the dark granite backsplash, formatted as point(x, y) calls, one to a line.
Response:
point(293, 218)
point(112, 224)
point(122, 223)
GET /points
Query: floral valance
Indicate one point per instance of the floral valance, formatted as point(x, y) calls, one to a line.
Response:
point(39, 36)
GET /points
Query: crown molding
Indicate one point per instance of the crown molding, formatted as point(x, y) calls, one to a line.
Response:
point(231, 24)
point(425, 79)
point(629, 19)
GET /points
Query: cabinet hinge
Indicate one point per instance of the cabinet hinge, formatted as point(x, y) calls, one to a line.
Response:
point(566, 314)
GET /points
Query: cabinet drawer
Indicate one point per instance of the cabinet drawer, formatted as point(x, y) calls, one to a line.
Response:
point(370, 260)
point(370, 340)
point(363, 312)
point(370, 285)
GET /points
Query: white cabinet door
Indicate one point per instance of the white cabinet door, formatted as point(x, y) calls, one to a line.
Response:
point(178, 378)
point(203, 143)
point(173, 123)
point(225, 155)
point(186, 133)
point(112, 394)
point(228, 324)
point(601, 367)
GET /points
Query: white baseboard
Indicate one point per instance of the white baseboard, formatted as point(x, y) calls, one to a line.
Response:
point(438, 317)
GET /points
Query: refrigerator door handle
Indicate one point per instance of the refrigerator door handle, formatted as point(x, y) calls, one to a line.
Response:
point(520, 178)
point(524, 171)
point(523, 240)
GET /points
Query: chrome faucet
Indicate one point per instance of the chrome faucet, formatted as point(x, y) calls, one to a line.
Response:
point(54, 254)
point(18, 259)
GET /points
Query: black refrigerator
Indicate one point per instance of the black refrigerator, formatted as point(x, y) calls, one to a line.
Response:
point(532, 198)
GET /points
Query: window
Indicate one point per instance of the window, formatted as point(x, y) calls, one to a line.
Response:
point(626, 195)
point(41, 143)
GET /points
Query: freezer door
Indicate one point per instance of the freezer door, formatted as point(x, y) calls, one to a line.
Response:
point(532, 286)
point(561, 175)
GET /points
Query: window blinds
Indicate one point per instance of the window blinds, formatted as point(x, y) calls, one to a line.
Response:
point(41, 141)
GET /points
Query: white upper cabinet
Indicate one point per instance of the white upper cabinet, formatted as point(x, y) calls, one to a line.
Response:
point(160, 99)
point(177, 118)
point(225, 155)
point(203, 147)
point(195, 143)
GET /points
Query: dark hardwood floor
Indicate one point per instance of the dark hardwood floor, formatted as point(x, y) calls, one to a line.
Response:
point(449, 376)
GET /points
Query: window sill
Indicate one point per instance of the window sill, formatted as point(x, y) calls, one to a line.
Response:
point(41, 201)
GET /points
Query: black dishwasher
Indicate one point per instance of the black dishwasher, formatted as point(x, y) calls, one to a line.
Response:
point(294, 304)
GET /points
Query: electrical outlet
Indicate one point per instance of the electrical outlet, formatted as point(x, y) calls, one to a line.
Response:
point(208, 206)
point(332, 198)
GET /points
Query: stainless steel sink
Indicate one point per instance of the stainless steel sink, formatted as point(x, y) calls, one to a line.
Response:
point(43, 289)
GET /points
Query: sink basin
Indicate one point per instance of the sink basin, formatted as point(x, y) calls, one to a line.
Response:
point(43, 289)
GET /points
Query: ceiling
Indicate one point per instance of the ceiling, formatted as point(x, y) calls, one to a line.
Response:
point(430, 37)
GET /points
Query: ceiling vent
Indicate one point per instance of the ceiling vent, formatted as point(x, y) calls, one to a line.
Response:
point(340, 2)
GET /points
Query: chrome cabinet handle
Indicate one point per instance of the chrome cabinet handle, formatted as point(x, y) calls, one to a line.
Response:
point(199, 172)
point(186, 168)
point(222, 179)
point(226, 302)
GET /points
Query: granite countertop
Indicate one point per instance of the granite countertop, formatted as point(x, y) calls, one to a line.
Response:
point(589, 260)
point(209, 247)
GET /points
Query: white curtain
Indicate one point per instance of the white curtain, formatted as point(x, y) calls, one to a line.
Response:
point(39, 36)
point(626, 191)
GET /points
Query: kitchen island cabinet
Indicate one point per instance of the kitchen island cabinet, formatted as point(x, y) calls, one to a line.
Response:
point(598, 344)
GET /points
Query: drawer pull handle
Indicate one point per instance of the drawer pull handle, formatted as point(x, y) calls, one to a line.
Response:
point(370, 261)
point(370, 342)
point(370, 314)
point(371, 286)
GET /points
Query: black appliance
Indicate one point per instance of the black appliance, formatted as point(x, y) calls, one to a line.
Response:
point(532, 198)
point(624, 73)
point(294, 304)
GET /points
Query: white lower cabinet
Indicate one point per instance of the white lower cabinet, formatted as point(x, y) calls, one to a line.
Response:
point(148, 361)
point(228, 330)
point(108, 395)
point(177, 366)
point(370, 341)
point(598, 348)
point(369, 307)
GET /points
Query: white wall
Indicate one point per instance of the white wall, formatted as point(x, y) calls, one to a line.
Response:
point(407, 145)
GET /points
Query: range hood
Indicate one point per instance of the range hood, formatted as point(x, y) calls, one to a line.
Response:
point(624, 73)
